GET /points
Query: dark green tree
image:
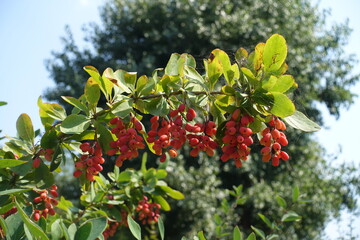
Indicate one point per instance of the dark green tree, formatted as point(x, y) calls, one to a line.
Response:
point(139, 35)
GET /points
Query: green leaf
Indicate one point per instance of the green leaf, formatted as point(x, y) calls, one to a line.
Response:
point(163, 203)
point(268, 84)
point(283, 83)
point(104, 83)
point(56, 230)
point(290, 216)
point(118, 78)
point(145, 86)
point(134, 227)
point(252, 236)
point(299, 121)
point(25, 128)
point(122, 108)
point(191, 73)
point(105, 136)
point(52, 110)
point(172, 193)
point(282, 106)
point(259, 232)
point(72, 231)
point(65, 231)
point(49, 139)
point(58, 156)
point(225, 65)
point(42, 224)
point(258, 57)
point(4, 227)
point(201, 235)
point(2, 103)
point(124, 176)
point(98, 227)
point(15, 227)
point(161, 173)
point(266, 220)
point(281, 201)
point(172, 65)
point(157, 106)
point(75, 124)
point(295, 193)
point(76, 103)
point(161, 228)
point(13, 191)
point(83, 232)
point(33, 228)
point(4, 163)
point(272, 236)
point(43, 177)
point(92, 93)
point(275, 52)
point(237, 234)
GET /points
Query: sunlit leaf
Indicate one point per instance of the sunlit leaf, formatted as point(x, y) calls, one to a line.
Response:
point(25, 128)
point(75, 124)
point(275, 52)
point(299, 121)
point(134, 227)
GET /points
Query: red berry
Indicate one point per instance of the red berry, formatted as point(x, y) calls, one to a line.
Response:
point(173, 153)
point(54, 193)
point(235, 115)
point(114, 121)
point(284, 156)
point(36, 162)
point(191, 114)
point(77, 173)
point(276, 146)
point(181, 107)
point(36, 217)
point(163, 158)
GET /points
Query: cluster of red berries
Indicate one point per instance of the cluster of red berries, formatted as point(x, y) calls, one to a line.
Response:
point(128, 140)
point(201, 138)
point(113, 226)
point(148, 213)
point(111, 229)
point(47, 153)
point(272, 140)
point(169, 134)
point(237, 138)
point(89, 163)
point(9, 212)
point(45, 202)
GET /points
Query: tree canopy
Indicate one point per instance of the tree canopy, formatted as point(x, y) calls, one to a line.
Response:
point(140, 35)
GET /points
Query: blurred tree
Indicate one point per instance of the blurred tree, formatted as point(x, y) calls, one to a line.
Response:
point(139, 35)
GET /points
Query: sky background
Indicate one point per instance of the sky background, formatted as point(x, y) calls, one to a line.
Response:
point(30, 30)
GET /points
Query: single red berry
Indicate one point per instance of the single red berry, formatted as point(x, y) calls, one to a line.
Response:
point(77, 173)
point(191, 114)
point(36, 217)
point(36, 162)
point(276, 146)
point(54, 193)
point(173, 153)
point(284, 156)
point(236, 115)
point(163, 158)
point(181, 107)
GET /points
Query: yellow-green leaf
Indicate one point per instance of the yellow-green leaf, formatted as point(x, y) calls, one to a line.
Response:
point(282, 105)
point(275, 52)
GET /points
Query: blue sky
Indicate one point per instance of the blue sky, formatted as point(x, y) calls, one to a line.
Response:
point(30, 30)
